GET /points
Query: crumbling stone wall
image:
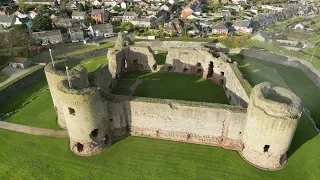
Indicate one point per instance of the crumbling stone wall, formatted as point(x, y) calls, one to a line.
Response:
point(167, 45)
point(272, 119)
point(193, 122)
point(101, 77)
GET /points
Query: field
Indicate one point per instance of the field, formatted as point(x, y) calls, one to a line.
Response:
point(3, 77)
point(36, 157)
point(259, 71)
point(171, 86)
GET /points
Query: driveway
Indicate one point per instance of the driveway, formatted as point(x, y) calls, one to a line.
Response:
point(13, 73)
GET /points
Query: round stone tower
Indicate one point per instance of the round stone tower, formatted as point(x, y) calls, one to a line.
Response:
point(85, 114)
point(272, 119)
point(54, 75)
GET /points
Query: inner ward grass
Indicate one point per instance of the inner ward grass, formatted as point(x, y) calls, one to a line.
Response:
point(172, 86)
point(297, 81)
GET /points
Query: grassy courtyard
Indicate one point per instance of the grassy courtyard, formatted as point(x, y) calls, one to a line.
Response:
point(161, 57)
point(260, 71)
point(171, 86)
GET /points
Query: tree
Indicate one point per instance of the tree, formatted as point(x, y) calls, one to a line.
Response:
point(86, 7)
point(81, 7)
point(88, 20)
point(41, 7)
point(21, 4)
point(42, 23)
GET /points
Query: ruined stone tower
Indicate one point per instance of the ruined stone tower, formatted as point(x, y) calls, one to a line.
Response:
point(54, 75)
point(85, 115)
point(272, 118)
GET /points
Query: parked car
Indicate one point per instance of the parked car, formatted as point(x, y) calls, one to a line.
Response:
point(75, 40)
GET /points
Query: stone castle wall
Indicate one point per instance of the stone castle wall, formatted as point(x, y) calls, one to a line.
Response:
point(167, 45)
point(194, 122)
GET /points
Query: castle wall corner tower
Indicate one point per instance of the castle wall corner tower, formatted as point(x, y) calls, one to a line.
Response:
point(54, 75)
point(272, 119)
point(85, 115)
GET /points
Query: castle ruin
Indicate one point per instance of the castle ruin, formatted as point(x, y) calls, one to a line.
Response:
point(259, 125)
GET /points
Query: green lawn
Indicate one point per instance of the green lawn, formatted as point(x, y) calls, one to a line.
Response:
point(3, 77)
point(36, 157)
point(172, 86)
point(61, 49)
point(92, 63)
point(161, 57)
point(260, 71)
point(87, 49)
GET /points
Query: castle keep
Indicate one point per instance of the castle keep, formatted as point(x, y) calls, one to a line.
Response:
point(259, 124)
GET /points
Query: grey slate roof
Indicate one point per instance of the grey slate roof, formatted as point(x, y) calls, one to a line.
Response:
point(129, 13)
point(77, 13)
point(242, 23)
point(97, 12)
point(101, 26)
point(17, 60)
point(219, 26)
point(6, 18)
point(46, 33)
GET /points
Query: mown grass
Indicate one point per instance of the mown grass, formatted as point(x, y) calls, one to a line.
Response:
point(260, 71)
point(161, 57)
point(3, 77)
point(22, 76)
point(105, 45)
point(172, 86)
point(92, 63)
point(36, 157)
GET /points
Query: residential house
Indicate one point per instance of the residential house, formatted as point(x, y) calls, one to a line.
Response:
point(193, 30)
point(161, 16)
point(242, 26)
point(27, 21)
point(75, 33)
point(7, 20)
point(67, 22)
point(54, 36)
point(260, 36)
point(100, 15)
point(2, 11)
point(167, 7)
point(193, 7)
point(111, 3)
point(151, 12)
point(21, 13)
point(128, 16)
point(19, 62)
point(44, 2)
point(143, 21)
point(299, 26)
point(101, 30)
point(220, 28)
point(78, 15)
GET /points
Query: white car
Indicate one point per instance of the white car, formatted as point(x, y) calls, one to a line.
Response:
point(75, 40)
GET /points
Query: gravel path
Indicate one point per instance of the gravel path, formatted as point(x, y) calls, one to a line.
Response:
point(33, 130)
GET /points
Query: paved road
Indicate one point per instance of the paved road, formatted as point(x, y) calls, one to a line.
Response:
point(13, 73)
point(34, 130)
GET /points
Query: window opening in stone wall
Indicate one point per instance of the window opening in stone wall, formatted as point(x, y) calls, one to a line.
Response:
point(222, 73)
point(71, 111)
point(266, 148)
point(154, 67)
point(94, 133)
point(79, 147)
point(210, 70)
point(185, 70)
point(198, 64)
point(111, 119)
